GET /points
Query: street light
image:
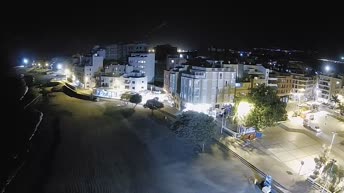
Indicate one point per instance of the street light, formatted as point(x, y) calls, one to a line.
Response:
point(67, 72)
point(59, 66)
point(47, 64)
point(327, 68)
point(302, 163)
point(243, 109)
point(333, 136)
point(25, 61)
point(342, 58)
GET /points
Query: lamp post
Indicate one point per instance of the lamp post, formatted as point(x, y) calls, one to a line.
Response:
point(333, 136)
point(302, 163)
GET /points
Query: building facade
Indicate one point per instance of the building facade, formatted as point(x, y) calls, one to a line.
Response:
point(174, 61)
point(122, 51)
point(143, 63)
point(211, 86)
point(327, 86)
point(114, 86)
point(302, 87)
point(84, 71)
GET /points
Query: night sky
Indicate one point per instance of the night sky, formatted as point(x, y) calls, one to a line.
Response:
point(49, 33)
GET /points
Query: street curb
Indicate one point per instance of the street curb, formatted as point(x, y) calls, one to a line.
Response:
point(299, 131)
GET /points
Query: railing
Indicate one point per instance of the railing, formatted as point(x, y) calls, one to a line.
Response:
point(317, 186)
point(275, 186)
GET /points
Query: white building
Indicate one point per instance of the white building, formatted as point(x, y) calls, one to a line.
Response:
point(257, 69)
point(238, 68)
point(302, 87)
point(208, 86)
point(143, 63)
point(118, 69)
point(85, 70)
point(326, 87)
point(114, 86)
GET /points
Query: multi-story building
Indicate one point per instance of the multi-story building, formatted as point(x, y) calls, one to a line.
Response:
point(174, 61)
point(162, 52)
point(257, 70)
point(238, 68)
point(143, 63)
point(302, 87)
point(209, 86)
point(113, 86)
point(242, 89)
point(84, 71)
point(167, 80)
point(134, 48)
point(283, 84)
point(113, 52)
point(122, 51)
point(118, 69)
point(327, 86)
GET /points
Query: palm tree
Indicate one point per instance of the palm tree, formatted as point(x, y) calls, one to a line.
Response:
point(335, 99)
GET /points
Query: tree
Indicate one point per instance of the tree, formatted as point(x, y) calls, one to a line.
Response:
point(268, 108)
point(136, 98)
point(341, 108)
point(153, 104)
point(194, 126)
point(334, 174)
point(126, 97)
point(335, 99)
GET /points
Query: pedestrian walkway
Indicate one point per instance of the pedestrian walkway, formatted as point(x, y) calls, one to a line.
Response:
point(269, 165)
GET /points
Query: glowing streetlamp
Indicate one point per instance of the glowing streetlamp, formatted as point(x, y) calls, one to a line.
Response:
point(86, 80)
point(243, 109)
point(67, 72)
point(25, 61)
point(342, 58)
point(333, 136)
point(47, 64)
point(59, 66)
point(327, 68)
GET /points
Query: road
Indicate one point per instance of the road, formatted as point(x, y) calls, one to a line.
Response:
point(86, 146)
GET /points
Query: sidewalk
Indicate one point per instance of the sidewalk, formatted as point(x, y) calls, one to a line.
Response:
point(337, 151)
point(268, 164)
point(257, 155)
